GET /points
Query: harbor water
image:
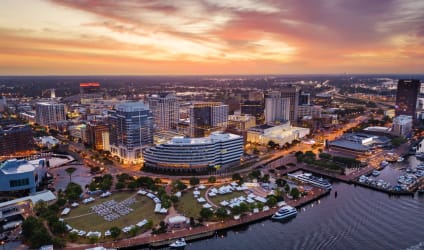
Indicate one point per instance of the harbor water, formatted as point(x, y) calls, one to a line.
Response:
point(357, 218)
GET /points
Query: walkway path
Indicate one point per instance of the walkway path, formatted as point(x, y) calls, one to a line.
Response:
point(207, 197)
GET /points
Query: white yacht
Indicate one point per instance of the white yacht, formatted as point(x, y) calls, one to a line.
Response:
point(178, 243)
point(309, 178)
point(284, 212)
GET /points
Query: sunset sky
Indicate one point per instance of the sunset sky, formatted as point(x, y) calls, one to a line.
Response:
point(125, 37)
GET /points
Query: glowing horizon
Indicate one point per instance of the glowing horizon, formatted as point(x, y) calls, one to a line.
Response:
point(188, 37)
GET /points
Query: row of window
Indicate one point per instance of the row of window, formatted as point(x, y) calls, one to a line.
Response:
point(19, 182)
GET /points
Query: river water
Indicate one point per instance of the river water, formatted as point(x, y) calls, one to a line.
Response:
point(358, 218)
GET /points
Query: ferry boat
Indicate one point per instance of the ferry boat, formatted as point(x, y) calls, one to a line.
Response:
point(178, 243)
point(309, 178)
point(284, 212)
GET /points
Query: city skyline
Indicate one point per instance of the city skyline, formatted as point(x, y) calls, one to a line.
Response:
point(62, 37)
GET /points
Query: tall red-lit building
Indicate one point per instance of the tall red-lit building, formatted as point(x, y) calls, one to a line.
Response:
point(90, 91)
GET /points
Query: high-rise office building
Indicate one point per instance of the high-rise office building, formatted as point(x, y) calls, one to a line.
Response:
point(255, 108)
point(165, 110)
point(131, 128)
point(3, 103)
point(98, 135)
point(47, 113)
point(406, 97)
point(293, 93)
point(304, 98)
point(276, 107)
point(207, 117)
point(16, 140)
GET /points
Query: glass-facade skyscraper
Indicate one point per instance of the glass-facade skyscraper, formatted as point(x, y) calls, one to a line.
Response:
point(131, 128)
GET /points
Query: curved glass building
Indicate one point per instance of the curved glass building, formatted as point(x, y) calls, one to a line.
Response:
point(195, 154)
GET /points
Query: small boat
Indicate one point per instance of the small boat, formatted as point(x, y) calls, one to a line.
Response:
point(384, 164)
point(375, 173)
point(178, 243)
point(400, 159)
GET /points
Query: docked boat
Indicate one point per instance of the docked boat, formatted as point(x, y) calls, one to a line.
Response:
point(384, 164)
point(309, 178)
point(419, 156)
point(375, 173)
point(284, 212)
point(400, 159)
point(178, 243)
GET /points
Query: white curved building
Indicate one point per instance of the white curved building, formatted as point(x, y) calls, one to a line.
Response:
point(195, 154)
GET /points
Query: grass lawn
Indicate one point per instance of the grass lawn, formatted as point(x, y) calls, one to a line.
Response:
point(188, 205)
point(82, 218)
point(221, 197)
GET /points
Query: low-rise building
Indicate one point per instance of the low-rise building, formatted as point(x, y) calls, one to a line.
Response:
point(241, 122)
point(23, 206)
point(279, 134)
point(21, 175)
point(357, 144)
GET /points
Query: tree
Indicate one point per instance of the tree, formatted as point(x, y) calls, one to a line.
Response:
point(206, 213)
point(40, 208)
point(287, 188)
point(35, 233)
point(92, 186)
point(244, 207)
point(149, 224)
point(236, 177)
point(134, 231)
point(255, 174)
point(310, 154)
point(123, 177)
point(280, 182)
point(73, 236)
point(272, 201)
point(57, 227)
point(325, 156)
point(174, 198)
point(194, 181)
point(120, 185)
point(179, 185)
point(295, 193)
point(29, 225)
point(272, 144)
point(70, 171)
point(236, 210)
point(115, 232)
point(132, 185)
point(397, 141)
point(221, 213)
point(73, 191)
point(212, 179)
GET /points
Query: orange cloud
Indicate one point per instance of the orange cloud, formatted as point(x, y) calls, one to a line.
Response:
point(215, 37)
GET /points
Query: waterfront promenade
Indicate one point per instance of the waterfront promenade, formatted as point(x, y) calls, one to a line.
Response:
point(207, 230)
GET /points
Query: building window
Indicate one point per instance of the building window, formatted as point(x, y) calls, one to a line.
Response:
point(20, 182)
